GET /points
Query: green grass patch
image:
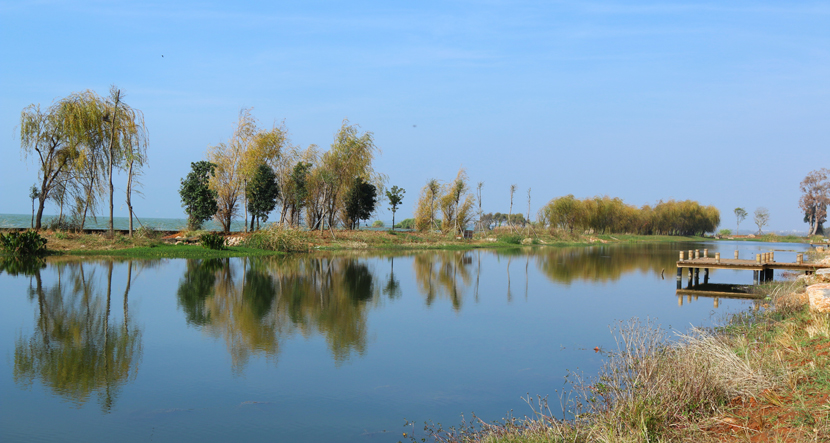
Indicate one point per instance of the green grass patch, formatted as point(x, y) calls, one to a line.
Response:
point(174, 251)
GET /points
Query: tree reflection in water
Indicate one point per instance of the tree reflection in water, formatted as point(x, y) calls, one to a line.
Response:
point(75, 349)
point(254, 304)
point(443, 274)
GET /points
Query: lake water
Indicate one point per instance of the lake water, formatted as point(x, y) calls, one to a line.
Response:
point(320, 348)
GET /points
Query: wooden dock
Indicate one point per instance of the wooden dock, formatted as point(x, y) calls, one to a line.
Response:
point(763, 266)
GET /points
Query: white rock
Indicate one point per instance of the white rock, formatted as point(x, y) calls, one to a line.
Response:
point(819, 297)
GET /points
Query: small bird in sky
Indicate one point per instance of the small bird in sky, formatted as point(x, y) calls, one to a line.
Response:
point(162, 55)
point(414, 126)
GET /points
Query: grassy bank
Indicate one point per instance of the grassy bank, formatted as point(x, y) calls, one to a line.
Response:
point(148, 244)
point(762, 377)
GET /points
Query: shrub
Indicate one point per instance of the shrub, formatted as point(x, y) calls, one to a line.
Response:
point(145, 232)
point(21, 244)
point(377, 224)
point(725, 232)
point(212, 241)
point(512, 239)
point(277, 238)
point(55, 224)
point(408, 223)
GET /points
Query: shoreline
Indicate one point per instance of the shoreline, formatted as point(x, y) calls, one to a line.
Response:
point(185, 245)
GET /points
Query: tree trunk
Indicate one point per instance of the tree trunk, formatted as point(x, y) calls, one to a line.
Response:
point(39, 217)
point(253, 217)
point(114, 124)
point(129, 192)
point(393, 221)
point(813, 223)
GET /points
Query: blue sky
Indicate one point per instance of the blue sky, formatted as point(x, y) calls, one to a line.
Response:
point(726, 103)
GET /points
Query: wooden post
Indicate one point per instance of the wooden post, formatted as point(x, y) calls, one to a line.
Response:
point(736, 254)
point(697, 253)
point(754, 277)
point(691, 254)
point(706, 276)
point(758, 258)
point(679, 300)
point(705, 253)
point(716, 302)
point(772, 256)
point(681, 255)
point(799, 258)
point(717, 257)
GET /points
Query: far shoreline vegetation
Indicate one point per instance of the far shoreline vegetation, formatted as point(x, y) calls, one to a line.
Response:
point(82, 140)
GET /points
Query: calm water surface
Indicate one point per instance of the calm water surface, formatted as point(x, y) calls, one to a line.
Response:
point(339, 348)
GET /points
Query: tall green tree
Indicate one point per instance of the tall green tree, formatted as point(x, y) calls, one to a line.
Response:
point(360, 202)
point(198, 199)
point(395, 196)
point(262, 194)
point(740, 215)
point(296, 195)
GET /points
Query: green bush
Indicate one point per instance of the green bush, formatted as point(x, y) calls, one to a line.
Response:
point(725, 232)
point(22, 244)
point(512, 239)
point(276, 238)
point(377, 224)
point(212, 241)
point(408, 223)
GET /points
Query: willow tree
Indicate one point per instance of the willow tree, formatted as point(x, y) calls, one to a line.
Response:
point(49, 137)
point(457, 204)
point(349, 158)
point(126, 146)
point(228, 178)
point(426, 206)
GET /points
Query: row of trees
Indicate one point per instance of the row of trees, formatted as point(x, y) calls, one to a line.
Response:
point(78, 142)
point(612, 215)
point(257, 170)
